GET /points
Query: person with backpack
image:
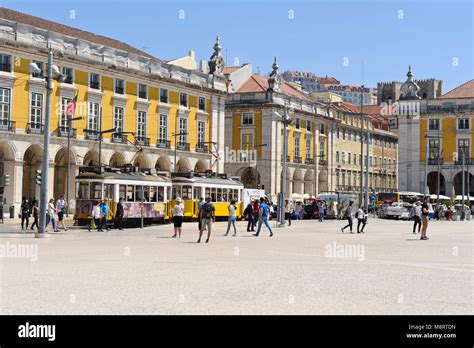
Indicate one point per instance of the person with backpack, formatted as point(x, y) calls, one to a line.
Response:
point(348, 215)
point(263, 217)
point(248, 213)
point(178, 217)
point(232, 218)
point(207, 216)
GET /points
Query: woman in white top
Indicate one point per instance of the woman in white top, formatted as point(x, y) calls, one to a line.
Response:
point(232, 218)
point(360, 218)
point(178, 217)
point(51, 214)
point(97, 216)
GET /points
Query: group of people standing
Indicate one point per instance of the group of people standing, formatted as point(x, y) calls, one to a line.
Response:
point(100, 213)
point(54, 213)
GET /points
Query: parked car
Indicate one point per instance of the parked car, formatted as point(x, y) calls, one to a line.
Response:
point(399, 210)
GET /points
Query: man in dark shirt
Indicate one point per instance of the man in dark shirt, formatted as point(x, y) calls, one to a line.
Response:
point(424, 217)
point(119, 214)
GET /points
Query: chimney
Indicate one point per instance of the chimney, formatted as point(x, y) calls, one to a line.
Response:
point(203, 66)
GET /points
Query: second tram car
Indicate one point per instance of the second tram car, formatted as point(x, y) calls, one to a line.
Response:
point(193, 186)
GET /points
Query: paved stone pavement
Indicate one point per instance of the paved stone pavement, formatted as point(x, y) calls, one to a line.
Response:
point(309, 268)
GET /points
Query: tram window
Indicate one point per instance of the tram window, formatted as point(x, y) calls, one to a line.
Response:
point(198, 193)
point(122, 191)
point(168, 192)
point(138, 193)
point(225, 194)
point(83, 190)
point(208, 192)
point(146, 193)
point(176, 192)
point(130, 193)
point(219, 195)
point(96, 190)
point(161, 194)
point(109, 191)
point(231, 194)
point(213, 195)
point(187, 192)
point(153, 195)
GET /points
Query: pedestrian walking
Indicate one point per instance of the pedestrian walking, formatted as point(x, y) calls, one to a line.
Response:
point(200, 204)
point(361, 218)
point(119, 214)
point(97, 216)
point(35, 213)
point(232, 218)
point(248, 213)
point(424, 217)
point(61, 210)
point(51, 214)
point(104, 207)
point(348, 215)
point(299, 211)
point(321, 211)
point(417, 217)
point(288, 211)
point(256, 212)
point(263, 218)
point(207, 218)
point(178, 217)
point(25, 214)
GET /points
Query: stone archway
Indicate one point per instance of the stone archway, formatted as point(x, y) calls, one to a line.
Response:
point(201, 166)
point(298, 182)
point(457, 182)
point(141, 162)
point(33, 160)
point(91, 158)
point(6, 154)
point(163, 164)
point(309, 182)
point(323, 181)
point(433, 183)
point(117, 160)
point(61, 173)
point(183, 166)
point(248, 177)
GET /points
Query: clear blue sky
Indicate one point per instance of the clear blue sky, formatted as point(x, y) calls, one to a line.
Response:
point(430, 37)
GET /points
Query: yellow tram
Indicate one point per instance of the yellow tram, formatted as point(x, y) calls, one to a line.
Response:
point(193, 186)
point(144, 194)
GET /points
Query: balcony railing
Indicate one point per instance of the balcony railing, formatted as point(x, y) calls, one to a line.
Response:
point(323, 162)
point(119, 90)
point(202, 148)
point(309, 161)
point(467, 161)
point(143, 141)
point(6, 67)
point(296, 159)
point(35, 128)
point(91, 134)
point(7, 125)
point(142, 95)
point(118, 138)
point(163, 143)
point(94, 85)
point(182, 146)
point(64, 131)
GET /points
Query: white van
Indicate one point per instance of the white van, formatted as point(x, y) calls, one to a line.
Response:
point(251, 195)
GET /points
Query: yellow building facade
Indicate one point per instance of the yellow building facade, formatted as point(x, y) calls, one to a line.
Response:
point(143, 100)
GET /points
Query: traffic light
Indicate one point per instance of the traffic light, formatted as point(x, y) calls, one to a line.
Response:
point(6, 180)
point(38, 177)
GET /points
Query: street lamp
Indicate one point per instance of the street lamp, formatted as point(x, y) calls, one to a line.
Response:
point(52, 73)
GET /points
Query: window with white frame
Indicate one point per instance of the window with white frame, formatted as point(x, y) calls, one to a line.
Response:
point(343, 157)
point(247, 142)
point(183, 130)
point(94, 81)
point(201, 133)
point(463, 123)
point(463, 148)
point(141, 125)
point(308, 126)
point(4, 107)
point(93, 117)
point(247, 119)
point(36, 111)
point(118, 120)
point(142, 91)
point(183, 99)
point(69, 75)
point(321, 150)
point(433, 148)
point(119, 86)
point(5, 63)
point(349, 158)
point(308, 148)
point(337, 156)
point(163, 95)
point(297, 123)
point(163, 128)
point(297, 146)
point(433, 124)
point(63, 123)
point(202, 104)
